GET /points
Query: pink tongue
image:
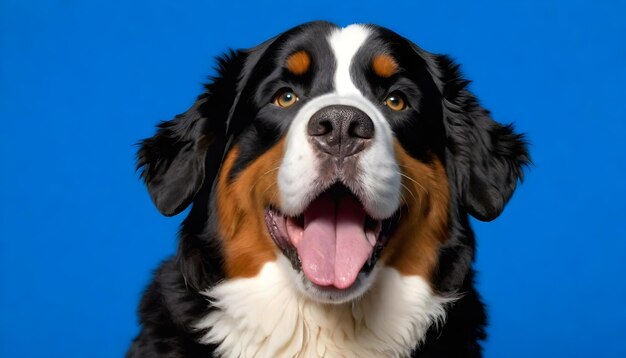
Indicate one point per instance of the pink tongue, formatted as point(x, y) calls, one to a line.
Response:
point(333, 248)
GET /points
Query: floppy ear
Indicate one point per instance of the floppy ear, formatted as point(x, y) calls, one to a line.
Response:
point(173, 162)
point(488, 157)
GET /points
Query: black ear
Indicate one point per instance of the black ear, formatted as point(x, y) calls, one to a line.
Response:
point(488, 157)
point(173, 162)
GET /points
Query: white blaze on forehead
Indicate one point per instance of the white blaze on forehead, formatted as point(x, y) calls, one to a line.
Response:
point(345, 43)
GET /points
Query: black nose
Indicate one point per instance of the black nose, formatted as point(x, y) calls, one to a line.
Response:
point(341, 131)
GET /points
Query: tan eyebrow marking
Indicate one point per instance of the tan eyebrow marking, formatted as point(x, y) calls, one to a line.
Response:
point(298, 63)
point(384, 65)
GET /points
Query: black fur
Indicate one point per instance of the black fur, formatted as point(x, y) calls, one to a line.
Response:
point(483, 159)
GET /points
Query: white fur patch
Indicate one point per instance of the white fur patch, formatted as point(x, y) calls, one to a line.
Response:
point(345, 43)
point(266, 316)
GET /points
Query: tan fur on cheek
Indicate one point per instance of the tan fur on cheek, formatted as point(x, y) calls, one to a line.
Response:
point(241, 207)
point(414, 246)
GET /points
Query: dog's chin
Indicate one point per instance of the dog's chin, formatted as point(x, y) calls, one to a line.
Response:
point(328, 294)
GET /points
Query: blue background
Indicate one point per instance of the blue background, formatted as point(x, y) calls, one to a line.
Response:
point(81, 82)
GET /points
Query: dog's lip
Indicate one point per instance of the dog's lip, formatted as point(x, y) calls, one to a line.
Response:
point(287, 231)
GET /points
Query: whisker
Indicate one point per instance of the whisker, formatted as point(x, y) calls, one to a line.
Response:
point(403, 200)
point(261, 177)
point(419, 201)
point(406, 166)
point(405, 204)
point(413, 180)
point(409, 190)
point(270, 187)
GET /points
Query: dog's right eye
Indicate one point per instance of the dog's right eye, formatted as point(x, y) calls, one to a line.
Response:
point(285, 98)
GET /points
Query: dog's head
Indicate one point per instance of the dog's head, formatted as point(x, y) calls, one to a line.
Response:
point(338, 150)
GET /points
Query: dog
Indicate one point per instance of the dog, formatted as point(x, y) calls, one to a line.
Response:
point(331, 173)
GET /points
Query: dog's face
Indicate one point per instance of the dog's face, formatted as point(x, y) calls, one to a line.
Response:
point(336, 152)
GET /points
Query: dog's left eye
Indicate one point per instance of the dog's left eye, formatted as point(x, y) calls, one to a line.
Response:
point(285, 98)
point(396, 101)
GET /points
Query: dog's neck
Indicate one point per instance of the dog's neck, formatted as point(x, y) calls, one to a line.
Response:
point(265, 316)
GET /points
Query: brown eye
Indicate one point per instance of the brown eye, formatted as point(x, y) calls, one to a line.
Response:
point(396, 101)
point(285, 98)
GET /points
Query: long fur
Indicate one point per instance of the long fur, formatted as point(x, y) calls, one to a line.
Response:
point(193, 308)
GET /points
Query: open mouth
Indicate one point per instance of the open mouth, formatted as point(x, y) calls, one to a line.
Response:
point(333, 240)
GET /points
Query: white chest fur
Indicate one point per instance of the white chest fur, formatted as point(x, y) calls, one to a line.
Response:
point(265, 316)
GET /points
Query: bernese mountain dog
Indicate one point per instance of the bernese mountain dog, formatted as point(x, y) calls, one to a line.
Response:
point(331, 173)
